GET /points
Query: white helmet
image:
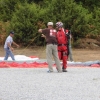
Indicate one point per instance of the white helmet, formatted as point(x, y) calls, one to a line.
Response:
point(59, 24)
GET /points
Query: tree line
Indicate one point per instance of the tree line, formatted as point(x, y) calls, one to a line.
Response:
point(25, 17)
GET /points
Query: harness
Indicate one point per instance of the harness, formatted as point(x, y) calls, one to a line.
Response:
point(62, 37)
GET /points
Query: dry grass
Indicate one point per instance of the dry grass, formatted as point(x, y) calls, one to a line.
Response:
point(78, 54)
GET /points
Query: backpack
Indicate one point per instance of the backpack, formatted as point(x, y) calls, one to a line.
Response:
point(68, 32)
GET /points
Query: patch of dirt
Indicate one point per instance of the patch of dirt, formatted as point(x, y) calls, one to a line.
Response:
point(87, 43)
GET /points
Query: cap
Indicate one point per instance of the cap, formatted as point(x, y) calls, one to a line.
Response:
point(50, 23)
point(11, 32)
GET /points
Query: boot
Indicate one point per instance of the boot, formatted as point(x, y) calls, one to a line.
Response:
point(64, 70)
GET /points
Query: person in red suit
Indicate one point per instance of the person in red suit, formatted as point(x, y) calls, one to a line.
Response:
point(62, 41)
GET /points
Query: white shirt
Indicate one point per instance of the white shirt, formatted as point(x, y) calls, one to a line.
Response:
point(9, 39)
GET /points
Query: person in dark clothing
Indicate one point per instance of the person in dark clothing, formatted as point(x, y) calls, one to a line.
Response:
point(69, 36)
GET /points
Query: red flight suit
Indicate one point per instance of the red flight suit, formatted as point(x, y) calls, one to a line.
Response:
point(62, 47)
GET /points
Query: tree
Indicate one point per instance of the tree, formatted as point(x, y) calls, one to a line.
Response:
point(27, 16)
point(7, 8)
point(25, 22)
point(89, 4)
point(73, 15)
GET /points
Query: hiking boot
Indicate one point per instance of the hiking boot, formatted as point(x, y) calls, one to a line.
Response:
point(49, 71)
point(64, 70)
